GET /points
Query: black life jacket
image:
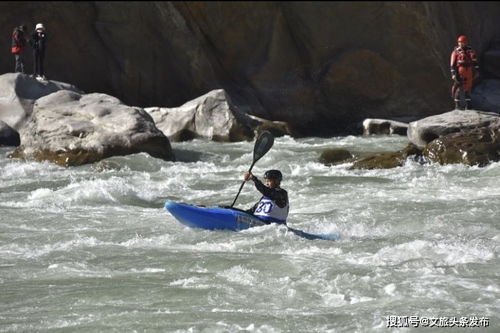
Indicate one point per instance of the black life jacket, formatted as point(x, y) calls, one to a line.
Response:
point(38, 41)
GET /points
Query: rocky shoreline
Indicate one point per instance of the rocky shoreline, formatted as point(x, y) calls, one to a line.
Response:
point(469, 137)
point(57, 122)
point(54, 121)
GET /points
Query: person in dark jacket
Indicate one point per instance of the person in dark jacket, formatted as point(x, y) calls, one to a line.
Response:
point(17, 47)
point(39, 43)
point(274, 205)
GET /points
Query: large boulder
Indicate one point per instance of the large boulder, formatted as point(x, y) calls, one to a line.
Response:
point(18, 93)
point(479, 146)
point(68, 128)
point(8, 135)
point(423, 131)
point(211, 116)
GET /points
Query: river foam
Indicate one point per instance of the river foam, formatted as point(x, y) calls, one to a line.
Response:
point(90, 248)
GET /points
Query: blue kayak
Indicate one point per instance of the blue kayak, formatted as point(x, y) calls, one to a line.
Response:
point(212, 218)
point(219, 218)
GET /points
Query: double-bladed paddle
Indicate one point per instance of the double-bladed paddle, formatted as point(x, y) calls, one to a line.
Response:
point(309, 236)
point(262, 145)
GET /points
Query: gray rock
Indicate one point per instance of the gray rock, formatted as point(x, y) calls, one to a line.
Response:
point(277, 128)
point(18, 93)
point(68, 128)
point(388, 160)
point(383, 126)
point(423, 131)
point(8, 135)
point(333, 156)
point(478, 146)
point(211, 116)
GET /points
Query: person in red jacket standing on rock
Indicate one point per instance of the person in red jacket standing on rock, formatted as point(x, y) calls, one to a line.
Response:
point(463, 58)
point(17, 47)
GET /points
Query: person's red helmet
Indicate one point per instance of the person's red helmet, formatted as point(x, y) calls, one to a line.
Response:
point(462, 39)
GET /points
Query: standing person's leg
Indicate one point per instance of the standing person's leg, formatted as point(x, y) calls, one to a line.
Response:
point(21, 62)
point(35, 63)
point(459, 98)
point(42, 58)
point(468, 100)
point(454, 91)
point(18, 65)
point(467, 86)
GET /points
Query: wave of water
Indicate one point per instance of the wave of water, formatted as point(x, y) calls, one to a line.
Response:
point(90, 248)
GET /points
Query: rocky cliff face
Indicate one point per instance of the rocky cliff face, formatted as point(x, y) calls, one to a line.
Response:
point(320, 66)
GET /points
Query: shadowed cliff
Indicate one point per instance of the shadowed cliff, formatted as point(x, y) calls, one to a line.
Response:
point(323, 67)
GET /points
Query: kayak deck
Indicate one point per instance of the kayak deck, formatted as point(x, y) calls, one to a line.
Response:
point(212, 218)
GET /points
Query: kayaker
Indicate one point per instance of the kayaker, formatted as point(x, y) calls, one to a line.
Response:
point(273, 206)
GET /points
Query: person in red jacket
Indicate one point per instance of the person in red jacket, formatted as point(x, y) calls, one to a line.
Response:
point(463, 60)
point(17, 47)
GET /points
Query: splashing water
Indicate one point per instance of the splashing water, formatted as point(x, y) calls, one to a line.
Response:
point(90, 248)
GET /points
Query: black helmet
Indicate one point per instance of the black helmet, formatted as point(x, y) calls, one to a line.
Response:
point(273, 174)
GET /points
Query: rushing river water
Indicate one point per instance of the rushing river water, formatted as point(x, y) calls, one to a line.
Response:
point(91, 249)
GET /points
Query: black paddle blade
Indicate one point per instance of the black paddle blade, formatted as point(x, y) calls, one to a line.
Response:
point(306, 235)
point(262, 145)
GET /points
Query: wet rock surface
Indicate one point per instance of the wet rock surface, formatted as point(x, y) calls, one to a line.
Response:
point(335, 156)
point(387, 160)
point(479, 146)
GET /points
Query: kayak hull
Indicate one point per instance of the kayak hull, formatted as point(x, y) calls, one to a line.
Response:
point(212, 218)
point(219, 218)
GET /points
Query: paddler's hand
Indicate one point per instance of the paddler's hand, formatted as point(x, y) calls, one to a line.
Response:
point(247, 176)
